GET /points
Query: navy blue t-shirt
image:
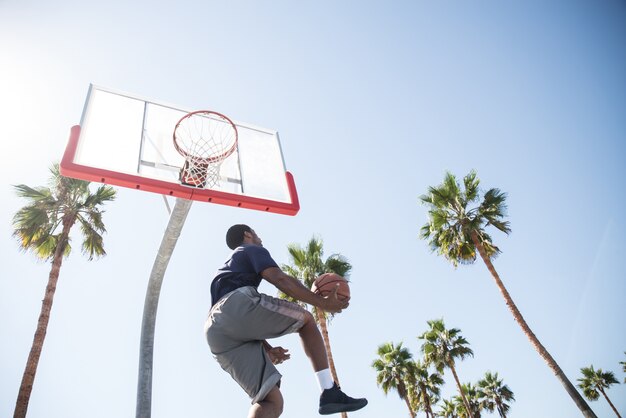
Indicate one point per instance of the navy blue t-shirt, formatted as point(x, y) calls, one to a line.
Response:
point(243, 268)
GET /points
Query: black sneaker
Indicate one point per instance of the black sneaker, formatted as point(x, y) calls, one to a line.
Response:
point(333, 400)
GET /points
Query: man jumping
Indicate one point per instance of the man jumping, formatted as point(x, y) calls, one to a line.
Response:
point(241, 320)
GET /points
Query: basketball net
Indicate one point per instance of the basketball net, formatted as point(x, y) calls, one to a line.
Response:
point(205, 139)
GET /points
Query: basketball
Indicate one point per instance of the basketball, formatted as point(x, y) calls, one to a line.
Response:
point(327, 282)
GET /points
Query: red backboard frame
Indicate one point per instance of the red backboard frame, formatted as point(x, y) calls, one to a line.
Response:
point(71, 169)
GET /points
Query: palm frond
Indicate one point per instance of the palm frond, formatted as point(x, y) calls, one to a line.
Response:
point(448, 409)
point(470, 182)
point(297, 254)
point(337, 263)
point(102, 195)
point(44, 245)
point(451, 222)
point(94, 218)
point(32, 218)
point(293, 273)
point(493, 209)
point(594, 382)
point(471, 394)
point(425, 231)
point(33, 194)
point(492, 393)
point(487, 243)
point(442, 347)
point(393, 367)
point(92, 241)
point(37, 225)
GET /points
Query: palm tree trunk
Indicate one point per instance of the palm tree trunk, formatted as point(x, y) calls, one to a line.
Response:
point(321, 319)
point(425, 400)
point(404, 395)
point(465, 401)
point(429, 410)
point(610, 403)
point(28, 378)
point(408, 404)
point(571, 390)
point(168, 243)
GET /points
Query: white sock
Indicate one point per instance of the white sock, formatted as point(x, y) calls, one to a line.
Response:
point(324, 379)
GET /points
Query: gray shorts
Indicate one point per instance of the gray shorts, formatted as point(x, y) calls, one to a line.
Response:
point(235, 329)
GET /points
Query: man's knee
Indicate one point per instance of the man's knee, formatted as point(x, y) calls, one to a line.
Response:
point(276, 399)
point(270, 407)
point(308, 319)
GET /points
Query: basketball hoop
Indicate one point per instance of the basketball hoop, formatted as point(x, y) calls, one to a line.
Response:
point(205, 139)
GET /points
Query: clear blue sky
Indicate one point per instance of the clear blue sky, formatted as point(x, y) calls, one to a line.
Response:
point(374, 101)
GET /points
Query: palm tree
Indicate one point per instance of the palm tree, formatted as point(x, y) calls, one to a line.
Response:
point(394, 366)
point(494, 394)
point(443, 347)
point(595, 382)
point(43, 227)
point(458, 233)
point(424, 388)
point(307, 265)
point(471, 395)
point(448, 410)
point(623, 363)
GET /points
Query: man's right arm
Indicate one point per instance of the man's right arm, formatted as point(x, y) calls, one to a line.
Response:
point(294, 288)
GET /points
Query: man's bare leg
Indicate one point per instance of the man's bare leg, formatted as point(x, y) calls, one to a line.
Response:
point(270, 407)
point(313, 344)
point(332, 400)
